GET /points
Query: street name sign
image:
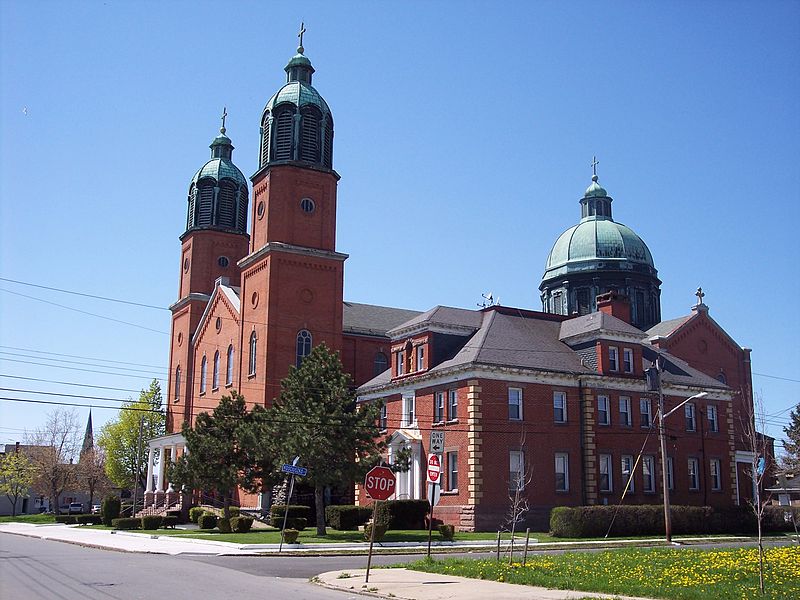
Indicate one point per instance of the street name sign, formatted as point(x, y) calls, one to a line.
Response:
point(294, 470)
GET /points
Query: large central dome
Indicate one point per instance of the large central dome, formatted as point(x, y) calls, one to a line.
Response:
point(599, 255)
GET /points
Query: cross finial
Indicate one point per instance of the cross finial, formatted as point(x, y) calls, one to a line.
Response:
point(595, 162)
point(300, 35)
point(700, 295)
point(224, 115)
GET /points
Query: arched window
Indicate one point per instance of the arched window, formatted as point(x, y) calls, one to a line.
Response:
point(309, 142)
point(283, 135)
point(266, 126)
point(203, 373)
point(177, 383)
point(722, 378)
point(229, 372)
point(303, 345)
point(253, 347)
point(380, 364)
point(226, 204)
point(327, 142)
point(215, 375)
point(205, 203)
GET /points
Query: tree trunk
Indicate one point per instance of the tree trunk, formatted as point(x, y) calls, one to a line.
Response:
point(226, 505)
point(13, 505)
point(319, 500)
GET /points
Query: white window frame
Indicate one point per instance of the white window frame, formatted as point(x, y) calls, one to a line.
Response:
point(383, 422)
point(715, 471)
point(421, 357)
point(177, 383)
point(409, 410)
point(515, 400)
point(562, 469)
point(693, 472)
point(215, 372)
point(253, 354)
point(452, 471)
point(626, 466)
point(690, 415)
point(203, 374)
point(516, 477)
point(229, 363)
point(627, 360)
point(452, 405)
point(559, 404)
point(438, 407)
point(400, 362)
point(648, 474)
point(613, 358)
point(603, 410)
point(713, 418)
point(625, 415)
point(606, 468)
point(645, 408)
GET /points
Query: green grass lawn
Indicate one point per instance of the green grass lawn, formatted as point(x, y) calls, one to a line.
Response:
point(36, 519)
point(683, 574)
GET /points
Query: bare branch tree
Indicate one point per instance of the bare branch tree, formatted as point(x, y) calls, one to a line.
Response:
point(53, 447)
point(91, 473)
point(518, 505)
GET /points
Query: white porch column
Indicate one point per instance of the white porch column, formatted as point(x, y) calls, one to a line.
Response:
point(161, 460)
point(151, 453)
point(172, 450)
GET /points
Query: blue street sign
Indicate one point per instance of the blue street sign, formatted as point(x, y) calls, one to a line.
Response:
point(301, 471)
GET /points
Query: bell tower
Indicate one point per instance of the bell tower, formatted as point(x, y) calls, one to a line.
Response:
point(292, 279)
point(214, 241)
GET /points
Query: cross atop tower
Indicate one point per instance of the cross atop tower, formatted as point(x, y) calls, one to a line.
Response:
point(224, 115)
point(595, 162)
point(300, 35)
point(700, 295)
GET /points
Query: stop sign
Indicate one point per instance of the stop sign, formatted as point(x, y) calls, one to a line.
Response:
point(379, 483)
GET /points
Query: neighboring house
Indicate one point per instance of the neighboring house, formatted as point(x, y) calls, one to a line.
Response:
point(785, 491)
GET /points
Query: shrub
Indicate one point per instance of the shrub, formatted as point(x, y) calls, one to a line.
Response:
point(290, 535)
point(241, 524)
point(380, 531)
point(207, 521)
point(66, 519)
point(347, 517)
point(298, 514)
point(110, 509)
point(126, 523)
point(234, 511)
point(195, 512)
point(169, 522)
point(89, 519)
point(448, 532)
point(402, 514)
point(152, 521)
point(224, 525)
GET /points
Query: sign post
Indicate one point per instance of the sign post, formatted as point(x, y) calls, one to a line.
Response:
point(293, 470)
point(434, 481)
point(379, 484)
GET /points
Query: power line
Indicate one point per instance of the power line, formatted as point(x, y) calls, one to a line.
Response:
point(122, 362)
point(85, 295)
point(87, 385)
point(77, 362)
point(27, 362)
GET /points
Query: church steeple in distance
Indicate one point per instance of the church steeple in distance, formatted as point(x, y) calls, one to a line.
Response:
point(88, 436)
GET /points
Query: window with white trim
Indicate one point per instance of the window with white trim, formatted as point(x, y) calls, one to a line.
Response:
point(606, 473)
point(409, 417)
point(229, 372)
point(515, 404)
point(251, 365)
point(613, 358)
point(603, 414)
point(304, 341)
point(452, 471)
point(203, 374)
point(627, 471)
point(627, 360)
point(689, 413)
point(516, 470)
point(452, 405)
point(399, 361)
point(215, 372)
point(177, 383)
point(383, 422)
point(420, 357)
point(562, 471)
point(648, 474)
point(715, 471)
point(713, 418)
point(645, 412)
point(560, 407)
point(694, 473)
point(438, 407)
point(625, 411)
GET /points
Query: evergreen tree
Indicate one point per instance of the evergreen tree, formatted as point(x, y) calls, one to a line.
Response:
point(316, 418)
point(790, 462)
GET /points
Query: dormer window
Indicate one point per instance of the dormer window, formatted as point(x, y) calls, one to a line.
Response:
point(627, 360)
point(420, 358)
point(400, 362)
point(613, 358)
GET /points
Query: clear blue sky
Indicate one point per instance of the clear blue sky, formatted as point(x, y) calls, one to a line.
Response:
point(464, 133)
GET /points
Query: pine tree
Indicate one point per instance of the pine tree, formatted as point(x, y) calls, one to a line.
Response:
point(790, 462)
point(316, 418)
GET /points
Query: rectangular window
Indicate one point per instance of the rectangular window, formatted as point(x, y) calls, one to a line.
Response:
point(515, 404)
point(516, 470)
point(694, 474)
point(383, 423)
point(606, 474)
point(716, 474)
point(399, 362)
point(691, 423)
point(648, 474)
point(438, 407)
point(603, 416)
point(646, 419)
point(670, 480)
point(627, 471)
point(420, 358)
point(408, 411)
point(452, 405)
point(625, 411)
point(452, 471)
point(559, 407)
point(713, 420)
point(613, 358)
point(627, 360)
point(562, 472)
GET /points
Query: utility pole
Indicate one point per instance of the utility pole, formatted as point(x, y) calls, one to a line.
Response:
point(138, 460)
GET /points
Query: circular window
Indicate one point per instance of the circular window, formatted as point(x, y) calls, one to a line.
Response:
point(307, 205)
point(260, 209)
point(180, 339)
point(254, 299)
point(218, 324)
point(306, 296)
point(185, 265)
point(222, 261)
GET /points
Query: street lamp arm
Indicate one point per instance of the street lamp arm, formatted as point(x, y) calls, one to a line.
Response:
point(690, 398)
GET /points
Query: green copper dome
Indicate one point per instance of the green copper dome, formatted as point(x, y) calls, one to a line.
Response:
point(218, 169)
point(299, 94)
point(595, 190)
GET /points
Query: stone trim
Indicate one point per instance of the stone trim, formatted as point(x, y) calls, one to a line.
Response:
point(474, 449)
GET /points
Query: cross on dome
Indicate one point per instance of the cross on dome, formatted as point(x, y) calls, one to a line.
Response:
point(300, 35)
point(224, 115)
point(595, 162)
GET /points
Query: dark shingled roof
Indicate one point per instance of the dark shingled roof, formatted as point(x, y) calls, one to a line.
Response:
point(445, 316)
point(368, 319)
point(665, 328)
point(597, 321)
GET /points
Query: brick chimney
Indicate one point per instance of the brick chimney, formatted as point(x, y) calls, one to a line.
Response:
point(616, 305)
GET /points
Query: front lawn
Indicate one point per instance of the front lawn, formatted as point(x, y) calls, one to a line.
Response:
point(683, 574)
point(38, 519)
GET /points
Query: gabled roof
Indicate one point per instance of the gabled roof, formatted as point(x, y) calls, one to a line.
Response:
point(597, 322)
point(441, 318)
point(230, 293)
point(369, 319)
point(665, 328)
point(677, 370)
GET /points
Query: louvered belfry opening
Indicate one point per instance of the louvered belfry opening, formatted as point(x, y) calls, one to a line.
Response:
point(266, 128)
point(205, 202)
point(283, 135)
point(327, 142)
point(241, 208)
point(226, 203)
point(309, 144)
point(192, 213)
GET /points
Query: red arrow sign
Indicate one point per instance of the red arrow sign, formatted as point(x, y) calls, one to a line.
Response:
point(434, 468)
point(379, 483)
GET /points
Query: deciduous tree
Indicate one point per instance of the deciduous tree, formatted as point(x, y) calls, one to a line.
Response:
point(790, 462)
point(53, 447)
point(91, 473)
point(16, 478)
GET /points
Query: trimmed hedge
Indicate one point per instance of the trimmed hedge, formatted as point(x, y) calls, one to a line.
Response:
point(224, 525)
point(290, 535)
point(152, 521)
point(241, 524)
point(448, 532)
point(594, 521)
point(110, 509)
point(169, 522)
point(207, 521)
point(195, 512)
point(347, 517)
point(298, 516)
point(402, 514)
point(88, 519)
point(126, 523)
point(66, 519)
point(380, 531)
point(233, 511)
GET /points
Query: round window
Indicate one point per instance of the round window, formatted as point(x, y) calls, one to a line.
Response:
point(307, 205)
point(185, 265)
point(260, 209)
point(222, 261)
point(254, 299)
point(180, 339)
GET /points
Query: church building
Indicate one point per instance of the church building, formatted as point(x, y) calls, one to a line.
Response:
point(554, 403)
